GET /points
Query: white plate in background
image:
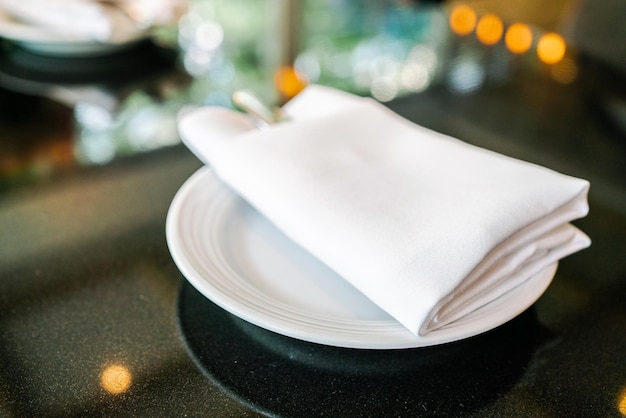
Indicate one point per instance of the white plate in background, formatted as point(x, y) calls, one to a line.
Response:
point(46, 42)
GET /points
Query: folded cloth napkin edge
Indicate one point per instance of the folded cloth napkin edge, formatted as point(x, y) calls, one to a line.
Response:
point(441, 134)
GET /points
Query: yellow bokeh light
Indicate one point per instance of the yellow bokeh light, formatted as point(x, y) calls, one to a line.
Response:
point(518, 38)
point(462, 20)
point(489, 29)
point(551, 48)
point(621, 402)
point(289, 82)
point(115, 379)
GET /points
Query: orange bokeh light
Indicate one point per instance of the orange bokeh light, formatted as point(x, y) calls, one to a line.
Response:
point(489, 29)
point(621, 402)
point(115, 379)
point(518, 38)
point(551, 48)
point(289, 82)
point(462, 20)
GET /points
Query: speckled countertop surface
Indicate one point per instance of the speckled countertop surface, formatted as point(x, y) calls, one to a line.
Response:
point(96, 320)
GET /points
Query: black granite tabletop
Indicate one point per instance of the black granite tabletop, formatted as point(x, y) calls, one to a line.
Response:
point(97, 320)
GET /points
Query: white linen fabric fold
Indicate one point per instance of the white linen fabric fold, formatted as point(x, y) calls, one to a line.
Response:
point(428, 227)
point(113, 21)
point(72, 19)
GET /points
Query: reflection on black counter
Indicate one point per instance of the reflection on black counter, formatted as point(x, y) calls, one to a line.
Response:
point(275, 373)
point(144, 59)
point(36, 139)
point(87, 109)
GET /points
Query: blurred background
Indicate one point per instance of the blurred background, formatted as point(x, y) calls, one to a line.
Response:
point(99, 108)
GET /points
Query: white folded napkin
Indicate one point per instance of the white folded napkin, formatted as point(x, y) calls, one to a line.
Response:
point(428, 227)
point(112, 21)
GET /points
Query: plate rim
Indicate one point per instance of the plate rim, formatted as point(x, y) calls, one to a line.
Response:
point(389, 335)
point(48, 43)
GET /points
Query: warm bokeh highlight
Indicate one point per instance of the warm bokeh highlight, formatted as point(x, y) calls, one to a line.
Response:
point(462, 20)
point(289, 82)
point(115, 379)
point(518, 38)
point(489, 29)
point(551, 48)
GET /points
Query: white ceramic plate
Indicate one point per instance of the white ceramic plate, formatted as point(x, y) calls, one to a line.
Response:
point(241, 262)
point(48, 43)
